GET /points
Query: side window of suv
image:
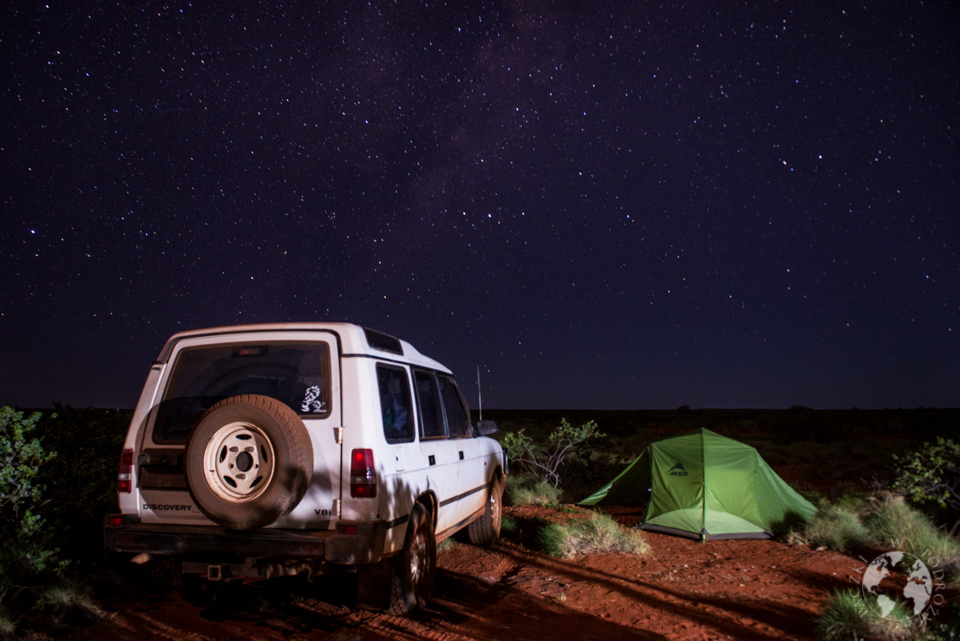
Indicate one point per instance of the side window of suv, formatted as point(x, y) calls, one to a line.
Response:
point(458, 420)
point(431, 416)
point(395, 405)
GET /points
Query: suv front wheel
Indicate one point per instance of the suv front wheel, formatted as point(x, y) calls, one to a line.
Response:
point(485, 531)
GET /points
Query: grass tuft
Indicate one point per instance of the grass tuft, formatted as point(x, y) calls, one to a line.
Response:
point(885, 520)
point(892, 522)
point(846, 617)
point(837, 527)
point(600, 533)
point(66, 602)
point(527, 490)
point(446, 544)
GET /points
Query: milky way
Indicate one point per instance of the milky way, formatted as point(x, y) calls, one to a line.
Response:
point(601, 206)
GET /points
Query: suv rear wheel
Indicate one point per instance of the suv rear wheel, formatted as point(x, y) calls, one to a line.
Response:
point(249, 461)
point(416, 565)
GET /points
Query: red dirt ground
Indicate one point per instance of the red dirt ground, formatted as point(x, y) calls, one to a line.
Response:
point(745, 590)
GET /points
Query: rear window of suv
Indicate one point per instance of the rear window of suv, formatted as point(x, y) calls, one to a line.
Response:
point(395, 405)
point(294, 374)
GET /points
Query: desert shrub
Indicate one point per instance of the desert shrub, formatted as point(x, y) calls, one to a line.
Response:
point(837, 527)
point(82, 486)
point(931, 476)
point(600, 533)
point(26, 555)
point(545, 460)
point(846, 617)
point(531, 490)
point(52, 509)
point(892, 522)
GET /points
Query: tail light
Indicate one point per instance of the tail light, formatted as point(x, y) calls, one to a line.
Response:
point(363, 476)
point(124, 476)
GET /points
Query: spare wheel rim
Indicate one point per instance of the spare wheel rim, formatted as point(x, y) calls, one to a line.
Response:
point(239, 462)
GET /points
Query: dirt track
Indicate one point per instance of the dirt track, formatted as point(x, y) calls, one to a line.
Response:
point(748, 590)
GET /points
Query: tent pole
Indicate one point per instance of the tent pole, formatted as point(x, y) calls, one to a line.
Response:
point(703, 464)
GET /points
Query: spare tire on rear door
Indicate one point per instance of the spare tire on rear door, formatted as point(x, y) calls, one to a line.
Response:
point(249, 461)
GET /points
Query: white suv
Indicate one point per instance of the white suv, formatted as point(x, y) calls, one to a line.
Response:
point(267, 450)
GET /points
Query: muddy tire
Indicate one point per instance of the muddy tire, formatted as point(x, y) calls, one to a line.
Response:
point(248, 462)
point(485, 531)
point(415, 566)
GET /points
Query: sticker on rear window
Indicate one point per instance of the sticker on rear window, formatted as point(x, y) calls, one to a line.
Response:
point(311, 401)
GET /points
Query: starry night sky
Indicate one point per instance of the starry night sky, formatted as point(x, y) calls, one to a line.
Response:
point(603, 205)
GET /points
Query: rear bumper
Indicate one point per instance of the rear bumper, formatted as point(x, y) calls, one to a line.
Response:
point(364, 544)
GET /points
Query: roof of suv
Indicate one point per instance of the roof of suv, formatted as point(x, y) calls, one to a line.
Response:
point(354, 341)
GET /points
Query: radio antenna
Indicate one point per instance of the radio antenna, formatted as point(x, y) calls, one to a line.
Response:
point(479, 393)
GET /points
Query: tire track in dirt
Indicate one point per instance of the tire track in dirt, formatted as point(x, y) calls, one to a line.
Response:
point(393, 627)
point(744, 590)
point(157, 629)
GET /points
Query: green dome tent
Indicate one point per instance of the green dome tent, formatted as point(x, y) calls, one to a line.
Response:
point(704, 485)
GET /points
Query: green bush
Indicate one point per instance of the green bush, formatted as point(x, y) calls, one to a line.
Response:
point(545, 461)
point(531, 490)
point(82, 486)
point(52, 512)
point(600, 533)
point(931, 476)
point(26, 555)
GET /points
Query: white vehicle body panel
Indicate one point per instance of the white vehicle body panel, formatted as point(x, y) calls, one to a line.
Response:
point(451, 475)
